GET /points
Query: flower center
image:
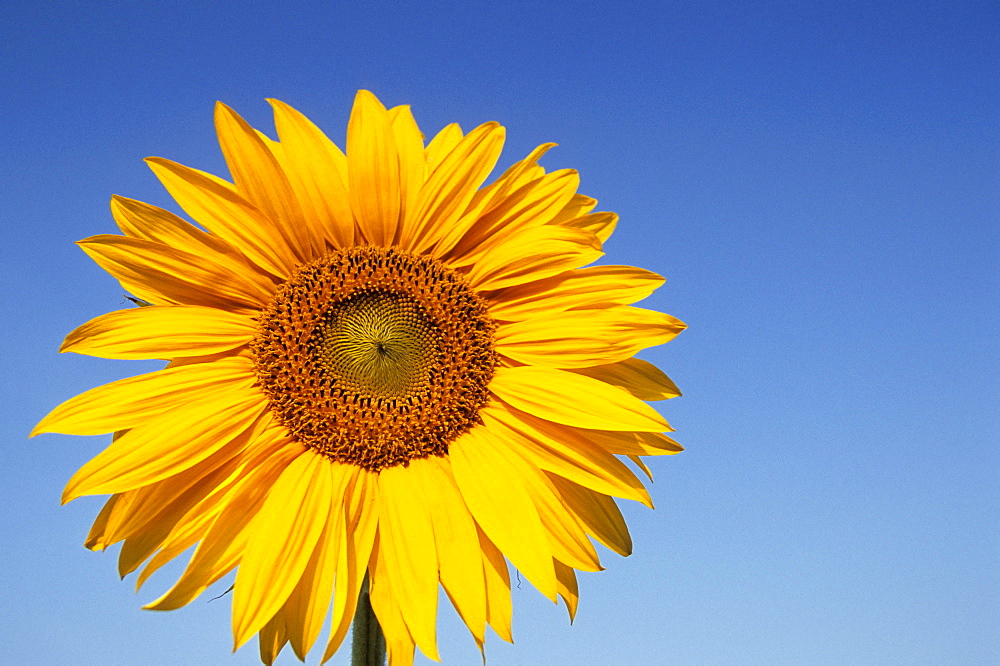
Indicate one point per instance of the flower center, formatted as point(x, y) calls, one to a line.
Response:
point(378, 342)
point(374, 357)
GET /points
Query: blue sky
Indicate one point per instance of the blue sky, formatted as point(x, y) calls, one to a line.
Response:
point(819, 183)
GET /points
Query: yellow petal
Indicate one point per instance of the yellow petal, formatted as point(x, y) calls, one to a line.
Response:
point(641, 465)
point(163, 331)
point(498, 609)
point(572, 399)
point(130, 402)
point(578, 206)
point(172, 506)
point(599, 514)
point(211, 486)
point(399, 643)
point(533, 254)
point(442, 144)
point(272, 639)
point(451, 185)
point(185, 534)
point(584, 338)
point(96, 539)
point(261, 181)
point(567, 539)
point(568, 588)
point(373, 169)
point(490, 480)
point(523, 172)
point(217, 206)
point(307, 606)
point(488, 198)
point(159, 508)
point(640, 378)
point(412, 169)
point(406, 542)
point(147, 222)
point(566, 451)
point(169, 443)
point(596, 285)
point(530, 206)
point(459, 556)
point(360, 505)
point(282, 538)
point(632, 443)
point(317, 171)
point(165, 275)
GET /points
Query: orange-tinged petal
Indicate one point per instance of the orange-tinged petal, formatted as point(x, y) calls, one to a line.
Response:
point(572, 399)
point(96, 539)
point(198, 522)
point(640, 378)
point(578, 206)
point(272, 638)
point(566, 451)
point(282, 538)
point(498, 609)
point(218, 207)
point(533, 254)
point(169, 443)
point(632, 443)
point(531, 205)
point(165, 275)
point(566, 536)
point(523, 172)
point(568, 588)
point(162, 331)
point(595, 285)
point(373, 169)
point(487, 198)
point(147, 222)
point(261, 181)
point(601, 225)
point(185, 534)
point(223, 545)
point(158, 513)
point(598, 513)
point(317, 170)
point(642, 466)
point(130, 402)
point(490, 480)
point(451, 185)
point(159, 507)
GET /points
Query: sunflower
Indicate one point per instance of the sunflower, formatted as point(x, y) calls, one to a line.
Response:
point(379, 370)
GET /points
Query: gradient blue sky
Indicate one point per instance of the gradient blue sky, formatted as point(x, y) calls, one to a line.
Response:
point(819, 182)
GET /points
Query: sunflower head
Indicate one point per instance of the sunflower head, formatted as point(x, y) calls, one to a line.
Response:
point(380, 368)
point(372, 356)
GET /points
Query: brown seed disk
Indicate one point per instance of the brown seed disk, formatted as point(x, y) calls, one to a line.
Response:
point(374, 357)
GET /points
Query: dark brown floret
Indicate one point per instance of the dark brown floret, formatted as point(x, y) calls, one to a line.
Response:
point(374, 357)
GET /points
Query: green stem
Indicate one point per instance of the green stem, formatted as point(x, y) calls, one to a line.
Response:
point(368, 643)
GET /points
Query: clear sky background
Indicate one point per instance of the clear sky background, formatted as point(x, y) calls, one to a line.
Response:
point(819, 182)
